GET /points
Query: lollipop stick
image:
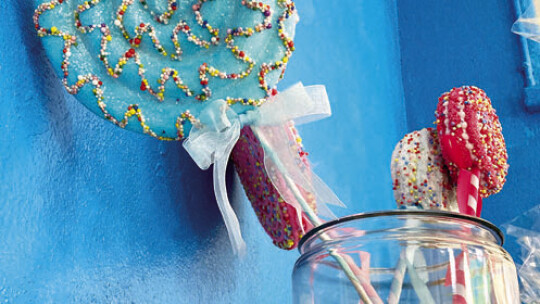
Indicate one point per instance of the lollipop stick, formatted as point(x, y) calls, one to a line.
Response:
point(497, 286)
point(459, 278)
point(465, 263)
point(419, 286)
point(316, 221)
point(397, 281)
point(404, 265)
point(479, 207)
point(467, 192)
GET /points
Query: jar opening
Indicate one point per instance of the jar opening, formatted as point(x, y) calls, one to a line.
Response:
point(496, 232)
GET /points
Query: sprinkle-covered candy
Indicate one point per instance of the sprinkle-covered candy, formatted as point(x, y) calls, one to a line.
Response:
point(419, 175)
point(279, 219)
point(168, 63)
point(471, 137)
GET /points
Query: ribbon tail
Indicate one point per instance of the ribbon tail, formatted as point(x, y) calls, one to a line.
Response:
point(277, 177)
point(284, 166)
point(324, 197)
point(281, 147)
point(229, 217)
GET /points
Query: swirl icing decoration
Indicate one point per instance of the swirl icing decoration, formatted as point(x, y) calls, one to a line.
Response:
point(151, 66)
point(199, 70)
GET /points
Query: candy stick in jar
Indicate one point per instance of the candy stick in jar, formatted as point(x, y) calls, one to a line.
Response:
point(276, 161)
point(420, 181)
point(474, 149)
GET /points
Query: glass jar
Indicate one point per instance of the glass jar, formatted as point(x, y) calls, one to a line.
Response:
point(405, 257)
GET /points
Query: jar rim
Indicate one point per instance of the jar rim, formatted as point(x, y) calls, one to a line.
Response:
point(480, 221)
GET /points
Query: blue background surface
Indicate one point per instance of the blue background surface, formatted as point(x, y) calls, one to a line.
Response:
point(90, 213)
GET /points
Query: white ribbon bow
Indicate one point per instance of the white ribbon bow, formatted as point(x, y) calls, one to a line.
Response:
point(213, 142)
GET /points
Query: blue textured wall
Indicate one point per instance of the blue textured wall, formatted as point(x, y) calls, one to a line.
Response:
point(90, 213)
point(470, 43)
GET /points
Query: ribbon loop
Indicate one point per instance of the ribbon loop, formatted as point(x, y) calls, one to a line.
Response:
point(210, 142)
point(298, 103)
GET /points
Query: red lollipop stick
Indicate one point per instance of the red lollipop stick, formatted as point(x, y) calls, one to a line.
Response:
point(467, 180)
point(467, 192)
point(472, 145)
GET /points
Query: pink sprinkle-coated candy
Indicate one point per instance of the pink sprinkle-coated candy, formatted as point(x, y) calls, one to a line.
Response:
point(279, 219)
point(471, 137)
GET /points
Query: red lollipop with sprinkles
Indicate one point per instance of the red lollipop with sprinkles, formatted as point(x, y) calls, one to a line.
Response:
point(472, 145)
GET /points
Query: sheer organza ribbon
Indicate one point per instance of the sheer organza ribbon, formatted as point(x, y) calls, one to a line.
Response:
point(528, 23)
point(213, 142)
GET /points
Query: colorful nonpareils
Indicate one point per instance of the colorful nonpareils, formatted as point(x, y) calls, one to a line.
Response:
point(452, 169)
point(471, 137)
point(473, 146)
point(276, 214)
point(419, 175)
point(464, 160)
point(167, 62)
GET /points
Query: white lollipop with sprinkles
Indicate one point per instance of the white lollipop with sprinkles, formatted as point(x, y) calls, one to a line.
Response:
point(419, 175)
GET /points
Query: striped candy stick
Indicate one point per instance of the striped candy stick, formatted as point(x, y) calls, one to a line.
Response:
point(470, 203)
point(397, 281)
point(468, 181)
point(459, 277)
point(470, 278)
point(362, 271)
point(468, 185)
point(363, 274)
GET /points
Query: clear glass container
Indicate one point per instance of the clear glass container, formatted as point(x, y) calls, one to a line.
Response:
point(405, 257)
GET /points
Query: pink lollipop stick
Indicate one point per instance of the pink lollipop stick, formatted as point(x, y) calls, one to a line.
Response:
point(474, 150)
point(467, 192)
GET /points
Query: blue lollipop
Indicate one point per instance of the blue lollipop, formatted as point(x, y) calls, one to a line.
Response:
point(152, 66)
